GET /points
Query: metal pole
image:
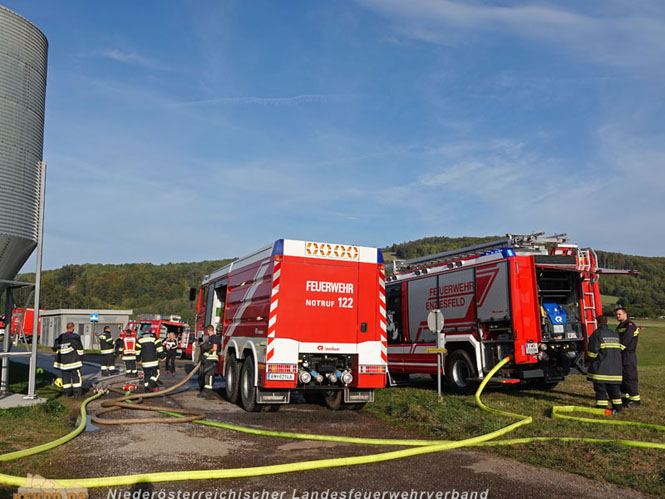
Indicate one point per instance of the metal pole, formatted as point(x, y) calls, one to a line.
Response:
point(38, 279)
point(438, 375)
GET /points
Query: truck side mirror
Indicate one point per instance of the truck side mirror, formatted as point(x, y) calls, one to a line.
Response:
point(192, 294)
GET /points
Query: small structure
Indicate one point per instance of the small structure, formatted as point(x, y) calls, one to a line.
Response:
point(54, 322)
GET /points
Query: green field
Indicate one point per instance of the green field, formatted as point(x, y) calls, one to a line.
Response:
point(457, 417)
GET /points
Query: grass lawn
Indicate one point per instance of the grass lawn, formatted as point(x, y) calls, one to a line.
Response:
point(24, 427)
point(457, 417)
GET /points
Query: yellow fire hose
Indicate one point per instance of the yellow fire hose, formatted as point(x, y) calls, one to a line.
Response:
point(417, 447)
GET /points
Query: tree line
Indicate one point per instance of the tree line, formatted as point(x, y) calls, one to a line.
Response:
point(164, 289)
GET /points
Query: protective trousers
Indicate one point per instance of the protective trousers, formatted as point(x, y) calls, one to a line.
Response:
point(150, 377)
point(108, 364)
point(602, 390)
point(71, 382)
point(207, 374)
point(629, 386)
point(130, 367)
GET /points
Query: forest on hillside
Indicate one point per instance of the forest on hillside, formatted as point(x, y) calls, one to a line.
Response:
point(164, 289)
point(143, 287)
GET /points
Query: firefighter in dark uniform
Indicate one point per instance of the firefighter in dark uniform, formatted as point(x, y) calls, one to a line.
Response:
point(106, 347)
point(628, 332)
point(210, 349)
point(68, 352)
point(605, 369)
point(149, 351)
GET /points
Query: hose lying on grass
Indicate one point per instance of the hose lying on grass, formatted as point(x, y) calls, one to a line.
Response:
point(417, 447)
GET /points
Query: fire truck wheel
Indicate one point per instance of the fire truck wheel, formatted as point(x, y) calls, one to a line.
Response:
point(247, 388)
point(334, 399)
point(232, 378)
point(460, 372)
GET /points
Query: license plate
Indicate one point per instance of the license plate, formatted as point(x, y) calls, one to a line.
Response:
point(531, 348)
point(558, 328)
point(281, 376)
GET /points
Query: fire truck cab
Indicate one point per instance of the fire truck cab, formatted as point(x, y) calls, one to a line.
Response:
point(532, 298)
point(160, 325)
point(299, 316)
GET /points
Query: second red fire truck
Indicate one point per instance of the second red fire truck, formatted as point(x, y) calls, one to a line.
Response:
point(532, 298)
point(299, 316)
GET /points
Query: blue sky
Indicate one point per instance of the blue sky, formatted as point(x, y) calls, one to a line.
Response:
point(182, 131)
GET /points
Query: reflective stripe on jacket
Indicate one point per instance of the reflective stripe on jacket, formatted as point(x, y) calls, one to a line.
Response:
point(149, 350)
point(68, 351)
point(604, 350)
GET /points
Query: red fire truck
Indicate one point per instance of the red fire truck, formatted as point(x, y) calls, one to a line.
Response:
point(23, 324)
point(533, 298)
point(160, 325)
point(303, 316)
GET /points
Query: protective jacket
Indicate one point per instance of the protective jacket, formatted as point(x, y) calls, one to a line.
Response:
point(129, 348)
point(604, 350)
point(149, 350)
point(207, 348)
point(628, 333)
point(68, 351)
point(105, 342)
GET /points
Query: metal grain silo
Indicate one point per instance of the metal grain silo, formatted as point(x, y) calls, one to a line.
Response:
point(23, 57)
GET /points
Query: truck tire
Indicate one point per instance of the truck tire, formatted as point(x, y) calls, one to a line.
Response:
point(459, 372)
point(247, 388)
point(334, 399)
point(232, 378)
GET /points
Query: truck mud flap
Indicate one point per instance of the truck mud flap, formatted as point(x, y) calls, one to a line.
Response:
point(355, 396)
point(267, 397)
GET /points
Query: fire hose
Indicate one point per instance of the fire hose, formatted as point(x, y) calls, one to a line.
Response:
point(418, 447)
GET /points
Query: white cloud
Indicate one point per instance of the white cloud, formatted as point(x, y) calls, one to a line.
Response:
point(131, 57)
point(293, 99)
point(630, 40)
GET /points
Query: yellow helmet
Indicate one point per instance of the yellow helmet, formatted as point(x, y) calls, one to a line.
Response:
point(58, 382)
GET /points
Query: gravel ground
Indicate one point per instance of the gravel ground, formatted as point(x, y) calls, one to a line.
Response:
point(131, 449)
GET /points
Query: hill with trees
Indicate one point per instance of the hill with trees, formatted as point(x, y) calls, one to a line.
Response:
point(164, 289)
point(142, 287)
point(643, 295)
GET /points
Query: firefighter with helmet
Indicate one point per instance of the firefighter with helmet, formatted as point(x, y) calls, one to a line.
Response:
point(209, 361)
point(605, 367)
point(149, 351)
point(628, 332)
point(68, 352)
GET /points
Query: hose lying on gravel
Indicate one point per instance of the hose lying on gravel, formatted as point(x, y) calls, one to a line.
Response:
point(420, 447)
point(123, 402)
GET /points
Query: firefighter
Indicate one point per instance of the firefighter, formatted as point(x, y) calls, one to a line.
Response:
point(628, 332)
point(106, 347)
point(605, 366)
point(209, 361)
point(149, 351)
point(129, 353)
point(68, 352)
